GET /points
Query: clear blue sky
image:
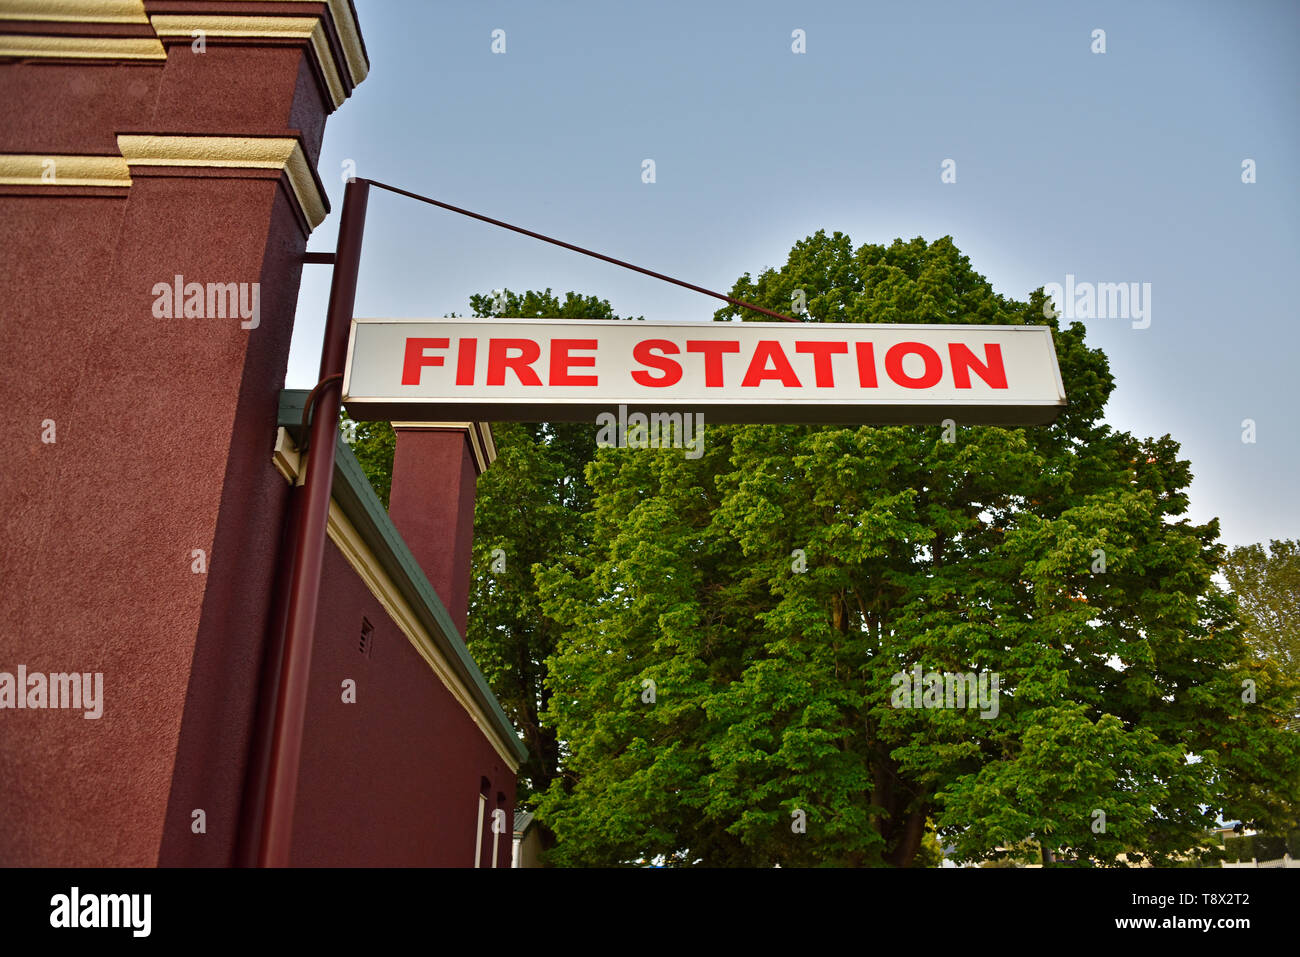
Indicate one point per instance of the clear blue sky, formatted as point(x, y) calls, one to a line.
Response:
point(1115, 167)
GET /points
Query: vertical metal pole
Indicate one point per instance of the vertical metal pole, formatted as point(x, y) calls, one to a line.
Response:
point(308, 543)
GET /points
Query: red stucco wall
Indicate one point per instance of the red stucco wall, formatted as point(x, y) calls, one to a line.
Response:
point(394, 778)
point(164, 432)
point(432, 505)
point(165, 429)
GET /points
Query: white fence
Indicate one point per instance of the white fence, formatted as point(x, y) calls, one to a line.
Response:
point(1285, 860)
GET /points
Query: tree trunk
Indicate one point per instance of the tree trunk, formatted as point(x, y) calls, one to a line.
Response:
point(910, 842)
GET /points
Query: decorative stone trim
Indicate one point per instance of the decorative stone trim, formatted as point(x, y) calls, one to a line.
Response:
point(33, 169)
point(82, 48)
point(75, 11)
point(247, 152)
point(334, 40)
point(274, 28)
point(479, 434)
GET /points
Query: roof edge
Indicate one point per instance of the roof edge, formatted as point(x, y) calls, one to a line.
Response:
point(353, 494)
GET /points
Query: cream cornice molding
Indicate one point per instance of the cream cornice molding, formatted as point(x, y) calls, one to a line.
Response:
point(243, 152)
point(49, 169)
point(75, 11)
point(489, 442)
point(247, 152)
point(82, 48)
point(343, 534)
point(278, 28)
point(136, 48)
point(345, 25)
point(480, 438)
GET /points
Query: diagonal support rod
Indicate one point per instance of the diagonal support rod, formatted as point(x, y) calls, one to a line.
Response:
point(586, 252)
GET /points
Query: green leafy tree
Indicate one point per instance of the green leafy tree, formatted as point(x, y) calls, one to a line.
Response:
point(1266, 582)
point(732, 627)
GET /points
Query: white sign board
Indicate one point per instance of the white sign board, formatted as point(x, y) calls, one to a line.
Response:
point(534, 370)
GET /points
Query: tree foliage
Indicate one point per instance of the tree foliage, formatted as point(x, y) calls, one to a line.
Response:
point(706, 692)
point(1266, 581)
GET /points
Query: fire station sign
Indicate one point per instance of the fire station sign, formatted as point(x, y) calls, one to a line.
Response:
point(534, 370)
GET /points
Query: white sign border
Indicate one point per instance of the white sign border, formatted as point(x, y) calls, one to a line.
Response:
point(559, 409)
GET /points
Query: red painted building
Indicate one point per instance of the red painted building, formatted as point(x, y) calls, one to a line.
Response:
point(157, 188)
